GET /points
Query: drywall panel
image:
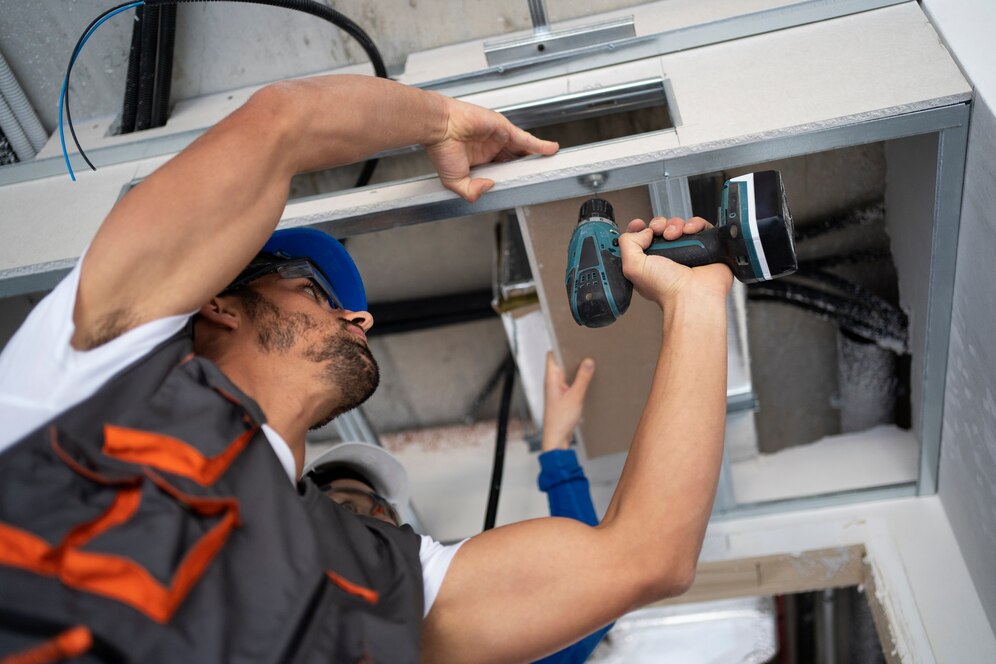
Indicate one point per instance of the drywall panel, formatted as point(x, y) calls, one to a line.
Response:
point(967, 483)
point(776, 575)
point(51, 221)
point(891, 59)
point(625, 353)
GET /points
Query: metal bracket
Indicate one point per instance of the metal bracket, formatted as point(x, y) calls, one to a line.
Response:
point(545, 44)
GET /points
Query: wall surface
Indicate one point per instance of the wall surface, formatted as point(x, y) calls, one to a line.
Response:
point(967, 484)
point(968, 445)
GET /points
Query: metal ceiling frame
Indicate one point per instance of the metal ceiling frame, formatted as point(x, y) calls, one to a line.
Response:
point(666, 170)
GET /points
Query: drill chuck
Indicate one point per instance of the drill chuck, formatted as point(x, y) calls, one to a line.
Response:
point(595, 209)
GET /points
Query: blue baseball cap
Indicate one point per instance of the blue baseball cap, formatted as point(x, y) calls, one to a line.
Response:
point(328, 255)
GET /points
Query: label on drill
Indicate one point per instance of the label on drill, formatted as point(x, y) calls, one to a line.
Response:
point(753, 240)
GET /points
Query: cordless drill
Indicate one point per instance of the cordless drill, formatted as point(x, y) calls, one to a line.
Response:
point(753, 237)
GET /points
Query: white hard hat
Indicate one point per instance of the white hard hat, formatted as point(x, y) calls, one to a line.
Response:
point(385, 473)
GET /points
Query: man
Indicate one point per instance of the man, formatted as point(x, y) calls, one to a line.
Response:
point(146, 508)
point(367, 480)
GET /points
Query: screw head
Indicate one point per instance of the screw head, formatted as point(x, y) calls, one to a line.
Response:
point(594, 180)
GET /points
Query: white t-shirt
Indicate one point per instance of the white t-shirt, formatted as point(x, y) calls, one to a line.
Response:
point(42, 375)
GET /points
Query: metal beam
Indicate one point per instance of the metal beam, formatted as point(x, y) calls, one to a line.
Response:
point(648, 158)
point(952, 150)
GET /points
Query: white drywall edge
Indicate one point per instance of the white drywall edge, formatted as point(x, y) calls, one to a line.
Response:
point(921, 580)
point(883, 456)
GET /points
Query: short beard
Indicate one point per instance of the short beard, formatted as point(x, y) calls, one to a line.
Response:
point(344, 356)
point(350, 367)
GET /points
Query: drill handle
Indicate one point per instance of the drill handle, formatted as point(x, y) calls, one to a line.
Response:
point(702, 248)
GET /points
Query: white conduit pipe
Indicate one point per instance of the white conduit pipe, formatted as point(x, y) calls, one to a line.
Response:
point(21, 108)
point(11, 128)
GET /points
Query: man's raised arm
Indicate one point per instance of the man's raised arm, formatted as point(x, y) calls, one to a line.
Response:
point(181, 235)
point(525, 590)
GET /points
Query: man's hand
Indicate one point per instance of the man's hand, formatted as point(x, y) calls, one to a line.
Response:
point(473, 136)
point(563, 403)
point(659, 279)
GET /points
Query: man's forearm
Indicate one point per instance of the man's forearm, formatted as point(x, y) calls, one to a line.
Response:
point(664, 497)
point(198, 220)
point(335, 120)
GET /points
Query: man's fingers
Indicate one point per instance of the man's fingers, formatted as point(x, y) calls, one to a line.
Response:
point(554, 374)
point(696, 224)
point(522, 142)
point(635, 226)
point(582, 379)
point(469, 189)
point(635, 240)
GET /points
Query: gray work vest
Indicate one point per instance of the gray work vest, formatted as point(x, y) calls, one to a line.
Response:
point(154, 523)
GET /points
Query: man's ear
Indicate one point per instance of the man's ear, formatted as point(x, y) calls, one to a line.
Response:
point(222, 312)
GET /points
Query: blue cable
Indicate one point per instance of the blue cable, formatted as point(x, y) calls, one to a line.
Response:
point(65, 82)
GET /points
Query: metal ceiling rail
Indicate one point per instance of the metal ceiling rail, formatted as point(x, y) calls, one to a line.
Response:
point(648, 158)
point(423, 200)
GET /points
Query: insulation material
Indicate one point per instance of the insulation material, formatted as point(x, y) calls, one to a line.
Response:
point(866, 383)
point(7, 155)
point(721, 632)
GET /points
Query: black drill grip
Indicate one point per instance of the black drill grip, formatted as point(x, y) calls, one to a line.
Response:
point(702, 248)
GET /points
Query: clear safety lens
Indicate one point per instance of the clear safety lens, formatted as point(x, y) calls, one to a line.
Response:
point(304, 269)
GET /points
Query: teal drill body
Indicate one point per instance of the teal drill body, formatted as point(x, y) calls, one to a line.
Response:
point(754, 238)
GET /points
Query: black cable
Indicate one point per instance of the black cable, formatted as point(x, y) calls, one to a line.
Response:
point(895, 316)
point(863, 216)
point(860, 319)
point(366, 173)
point(147, 68)
point(336, 18)
point(69, 70)
point(315, 9)
point(864, 256)
point(306, 6)
point(164, 65)
point(130, 106)
point(500, 442)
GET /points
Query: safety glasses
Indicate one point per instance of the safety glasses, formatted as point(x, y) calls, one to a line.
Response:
point(363, 503)
point(297, 268)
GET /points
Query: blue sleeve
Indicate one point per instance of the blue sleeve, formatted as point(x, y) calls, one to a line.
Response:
point(578, 652)
point(567, 489)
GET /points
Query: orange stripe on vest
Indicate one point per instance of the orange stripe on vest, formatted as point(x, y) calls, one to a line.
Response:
point(118, 577)
point(371, 596)
point(74, 642)
point(171, 454)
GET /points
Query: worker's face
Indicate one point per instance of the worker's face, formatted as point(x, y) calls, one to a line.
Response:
point(359, 498)
point(289, 316)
